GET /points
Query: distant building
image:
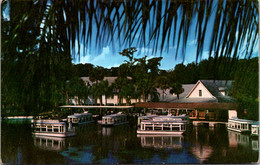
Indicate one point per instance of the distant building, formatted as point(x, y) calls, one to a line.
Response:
point(204, 100)
point(203, 91)
point(114, 100)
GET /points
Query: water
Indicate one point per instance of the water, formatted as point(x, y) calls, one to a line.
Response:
point(121, 144)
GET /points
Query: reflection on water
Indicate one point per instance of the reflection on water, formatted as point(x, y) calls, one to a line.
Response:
point(121, 144)
point(236, 138)
point(106, 131)
point(202, 152)
point(255, 144)
point(50, 143)
point(159, 141)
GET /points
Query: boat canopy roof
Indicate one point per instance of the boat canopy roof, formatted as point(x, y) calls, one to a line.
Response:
point(148, 116)
point(48, 122)
point(255, 124)
point(114, 115)
point(77, 115)
point(170, 118)
point(235, 119)
point(164, 121)
point(94, 106)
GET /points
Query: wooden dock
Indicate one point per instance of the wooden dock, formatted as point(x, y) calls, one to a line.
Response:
point(20, 117)
point(210, 123)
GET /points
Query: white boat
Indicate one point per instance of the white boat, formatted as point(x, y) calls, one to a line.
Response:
point(80, 118)
point(255, 128)
point(113, 120)
point(166, 125)
point(239, 125)
point(53, 128)
point(147, 117)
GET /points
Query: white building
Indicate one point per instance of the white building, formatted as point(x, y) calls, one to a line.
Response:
point(202, 91)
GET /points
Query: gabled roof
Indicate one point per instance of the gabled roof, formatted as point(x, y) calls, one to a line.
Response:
point(216, 86)
point(195, 86)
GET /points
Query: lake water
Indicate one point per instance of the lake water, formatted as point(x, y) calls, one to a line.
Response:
point(121, 144)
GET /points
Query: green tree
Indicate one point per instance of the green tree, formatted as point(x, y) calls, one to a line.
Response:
point(83, 70)
point(76, 87)
point(176, 88)
point(245, 87)
point(36, 46)
point(162, 83)
point(97, 74)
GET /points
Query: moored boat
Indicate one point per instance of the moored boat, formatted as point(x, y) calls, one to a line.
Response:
point(147, 117)
point(166, 125)
point(53, 128)
point(255, 128)
point(239, 125)
point(113, 120)
point(80, 118)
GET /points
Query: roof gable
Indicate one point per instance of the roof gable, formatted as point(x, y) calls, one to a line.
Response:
point(201, 85)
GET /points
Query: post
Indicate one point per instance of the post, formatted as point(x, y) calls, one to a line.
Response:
point(70, 126)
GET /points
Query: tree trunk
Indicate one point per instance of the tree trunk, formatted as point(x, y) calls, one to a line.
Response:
point(67, 98)
point(144, 96)
point(163, 95)
point(100, 99)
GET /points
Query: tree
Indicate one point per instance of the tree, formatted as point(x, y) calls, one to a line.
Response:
point(176, 88)
point(127, 91)
point(33, 59)
point(83, 70)
point(162, 83)
point(76, 87)
point(97, 74)
point(245, 87)
point(107, 90)
point(36, 46)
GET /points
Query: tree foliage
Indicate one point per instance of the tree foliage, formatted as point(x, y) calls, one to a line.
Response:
point(176, 88)
point(37, 48)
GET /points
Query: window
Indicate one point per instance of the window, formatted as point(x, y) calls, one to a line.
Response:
point(49, 128)
point(200, 92)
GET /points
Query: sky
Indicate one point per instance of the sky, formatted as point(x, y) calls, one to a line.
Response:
point(108, 56)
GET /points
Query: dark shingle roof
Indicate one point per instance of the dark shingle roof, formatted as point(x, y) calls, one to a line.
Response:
point(214, 85)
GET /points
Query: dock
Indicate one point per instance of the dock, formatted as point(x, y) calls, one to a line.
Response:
point(210, 123)
point(20, 117)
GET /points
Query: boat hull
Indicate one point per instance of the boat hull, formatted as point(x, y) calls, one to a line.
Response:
point(81, 123)
point(160, 132)
point(238, 130)
point(67, 134)
point(103, 124)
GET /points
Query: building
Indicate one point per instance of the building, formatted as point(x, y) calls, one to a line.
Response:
point(205, 100)
point(114, 100)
